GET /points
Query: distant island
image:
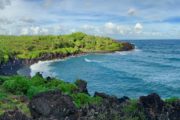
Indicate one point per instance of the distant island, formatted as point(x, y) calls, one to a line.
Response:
point(38, 98)
point(18, 51)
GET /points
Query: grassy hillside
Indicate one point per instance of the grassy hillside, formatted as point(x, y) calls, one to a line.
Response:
point(29, 47)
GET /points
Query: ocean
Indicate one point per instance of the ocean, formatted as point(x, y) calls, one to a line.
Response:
point(154, 66)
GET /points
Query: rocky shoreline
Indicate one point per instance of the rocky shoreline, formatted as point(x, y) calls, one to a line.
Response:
point(54, 105)
point(13, 65)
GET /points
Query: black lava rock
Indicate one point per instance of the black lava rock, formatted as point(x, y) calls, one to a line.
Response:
point(53, 105)
point(14, 115)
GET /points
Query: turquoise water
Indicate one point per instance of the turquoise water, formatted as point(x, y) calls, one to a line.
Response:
point(154, 66)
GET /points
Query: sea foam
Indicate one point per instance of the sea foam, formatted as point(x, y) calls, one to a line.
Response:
point(88, 60)
point(44, 67)
point(128, 52)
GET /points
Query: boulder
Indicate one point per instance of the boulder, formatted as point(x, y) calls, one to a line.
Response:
point(127, 46)
point(53, 105)
point(111, 99)
point(14, 115)
point(152, 105)
point(109, 109)
point(156, 109)
point(173, 111)
point(82, 86)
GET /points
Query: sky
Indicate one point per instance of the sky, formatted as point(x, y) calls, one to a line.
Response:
point(120, 19)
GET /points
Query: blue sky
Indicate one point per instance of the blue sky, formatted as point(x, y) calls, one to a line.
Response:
point(121, 19)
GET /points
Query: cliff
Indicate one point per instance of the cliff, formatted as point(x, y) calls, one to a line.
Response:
point(14, 64)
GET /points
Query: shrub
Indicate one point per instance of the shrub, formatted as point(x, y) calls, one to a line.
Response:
point(37, 80)
point(132, 112)
point(67, 88)
point(17, 85)
point(3, 79)
point(81, 99)
point(131, 107)
point(2, 95)
point(171, 100)
point(34, 90)
point(53, 83)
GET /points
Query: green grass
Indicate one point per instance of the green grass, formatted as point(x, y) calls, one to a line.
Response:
point(2, 95)
point(24, 86)
point(82, 99)
point(11, 102)
point(132, 112)
point(171, 100)
point(30, 47)
point(131, 107)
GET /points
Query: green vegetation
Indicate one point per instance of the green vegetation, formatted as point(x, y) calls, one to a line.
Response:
point(16, 91)
point(14, 87)
point(132, 111)
point(84, 99)
point(132, 106)
point(171, 100)
point(29, 47)
point(11, 102)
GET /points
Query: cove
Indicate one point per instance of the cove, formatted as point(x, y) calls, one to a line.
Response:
point(152, 67)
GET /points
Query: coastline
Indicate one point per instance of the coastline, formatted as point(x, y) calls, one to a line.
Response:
point(148, 107)
point(13, 65)
point(40, 66)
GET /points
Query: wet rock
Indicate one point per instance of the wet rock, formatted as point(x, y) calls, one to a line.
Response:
point(82, 86)
point(156, 109)
point(111, 99)
point(127, 46)
point(152, 105)
point(105, 96)
point(109, 109)
point(14, 115)
point(53, 105)
point(123, 99)
point(49, 78)
point(172, 111)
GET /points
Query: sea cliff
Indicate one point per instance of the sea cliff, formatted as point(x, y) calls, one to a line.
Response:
point(13, 65)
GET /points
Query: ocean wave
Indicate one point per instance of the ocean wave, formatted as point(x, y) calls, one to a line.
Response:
point(128, 52)
point(88, 60)
point(174, 59)
point(137, 50)
point(43, 67)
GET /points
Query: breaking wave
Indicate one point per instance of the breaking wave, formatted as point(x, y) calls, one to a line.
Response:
point(95, 61)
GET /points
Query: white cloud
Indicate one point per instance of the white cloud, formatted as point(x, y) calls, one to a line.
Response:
point(4, 3)
point(110, 25)
point(112, 28)
point(34, 31)
point(47, 3)
point(5, 21)
point(44, 31)
point(138, 27)
point(27, 20)
point(64, 16)
point(24, 31)
point(132, 12)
